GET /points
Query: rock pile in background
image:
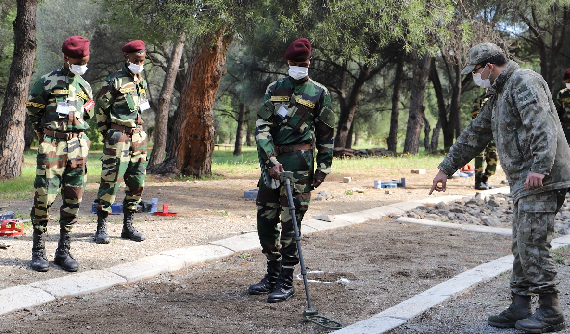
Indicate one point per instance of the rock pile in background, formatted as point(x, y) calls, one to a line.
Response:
point(495, 210)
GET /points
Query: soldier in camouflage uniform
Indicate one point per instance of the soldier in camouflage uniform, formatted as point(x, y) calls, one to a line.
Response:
point(296, 112)
point(520, 116)
point(563, 105)
point(119, 107)
point(489, 154)
point(60, 102)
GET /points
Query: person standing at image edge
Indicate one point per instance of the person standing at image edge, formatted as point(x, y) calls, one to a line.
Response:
point(520, 116)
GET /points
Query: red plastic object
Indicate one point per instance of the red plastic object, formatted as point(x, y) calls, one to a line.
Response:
point(9, 228)
point(467, 168)
point(164, 211)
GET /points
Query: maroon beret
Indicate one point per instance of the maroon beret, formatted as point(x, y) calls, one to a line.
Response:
point(566, 74)
point(299, 50)
point(133, 46)
point(76, 47)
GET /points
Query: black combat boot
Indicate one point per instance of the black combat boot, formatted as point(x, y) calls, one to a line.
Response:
point(62, 256)
point(479, 184)
point(267, 284)
point(484, 182)
point(101, 236)
point(284, 288)
point(547, 318)
point(129, 232)
point(518, 310)
point(39, 260)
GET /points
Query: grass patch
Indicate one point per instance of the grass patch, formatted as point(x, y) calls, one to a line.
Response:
point(224, 164)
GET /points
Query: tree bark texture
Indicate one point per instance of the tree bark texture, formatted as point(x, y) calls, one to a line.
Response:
point(455, 104)
point(161, 128)
point(240, 129)
point(442, 109)
point(14, 108)
point(421, 72)
point(395, 114)
point(193, 131)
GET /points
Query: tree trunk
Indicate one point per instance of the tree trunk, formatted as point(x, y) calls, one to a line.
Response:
point(161, 128)
point(356, 138)
point(349, 136)
point(435, 137)
point(249, 133)
point(193, 132)
point(395, 115)
point(14, 108)
point(455, 104)
point(29, 135)
point(442, 122)
point(240, 129)
point(427, 131)
point(420, 74)
point(348, 109)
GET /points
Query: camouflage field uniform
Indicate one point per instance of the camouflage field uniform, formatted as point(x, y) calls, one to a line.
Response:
point(520, 116)
point(489, 154)
point(294, 114)
point(62, 154)
point(125, 143)
point(563, 108)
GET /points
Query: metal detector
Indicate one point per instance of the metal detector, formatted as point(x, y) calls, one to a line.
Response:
point(310, 314)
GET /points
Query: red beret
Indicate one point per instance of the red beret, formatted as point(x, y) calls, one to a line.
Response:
point(299, 50)
point(76, 47)
point(133, 46)
point(566, 74)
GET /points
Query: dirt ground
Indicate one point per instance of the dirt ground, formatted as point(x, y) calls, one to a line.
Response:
point(381, 263)
point(365, 269)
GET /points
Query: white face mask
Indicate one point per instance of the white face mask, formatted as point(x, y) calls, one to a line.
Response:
point(297, 72)
point(136, 69)
point(77, 69)
point(485, 83)
point(568, 85)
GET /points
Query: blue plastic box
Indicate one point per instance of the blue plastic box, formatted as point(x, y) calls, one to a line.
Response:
point(389, 185)
point(250, 194)
point(116, 208)
point(6, 215)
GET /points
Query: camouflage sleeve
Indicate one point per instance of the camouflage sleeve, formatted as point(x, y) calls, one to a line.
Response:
point(103, 103)
point(89, 104)
point(36, 104)
point(471, 142)
point(263, 126)
point(559, 105)
point(540, 127)
point(324, 136)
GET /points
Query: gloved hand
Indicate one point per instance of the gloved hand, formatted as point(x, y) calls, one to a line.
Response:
point(318, 178)
point(275, 171)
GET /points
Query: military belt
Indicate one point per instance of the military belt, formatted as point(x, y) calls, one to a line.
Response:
point(125, 129)
point(62, 135)
point(288, 149)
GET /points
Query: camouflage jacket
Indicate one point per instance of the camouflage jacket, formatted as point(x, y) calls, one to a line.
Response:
point(521, 117)
point(71, 92)
point(563, 108)
point(478, 104)
point(296, 112)
point(120, 100)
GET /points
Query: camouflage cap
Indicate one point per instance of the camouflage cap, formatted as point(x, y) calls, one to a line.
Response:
point(479, 53)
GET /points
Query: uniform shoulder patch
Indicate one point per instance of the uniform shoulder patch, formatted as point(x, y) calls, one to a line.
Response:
point(328, 117)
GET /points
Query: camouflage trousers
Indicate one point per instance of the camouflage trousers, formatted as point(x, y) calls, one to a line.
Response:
point(61, 164)
point(273, 208)
point(534, 270)
point(488, 155)
point(124, 158)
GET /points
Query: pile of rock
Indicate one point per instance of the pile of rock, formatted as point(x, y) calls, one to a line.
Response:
point(495, 210)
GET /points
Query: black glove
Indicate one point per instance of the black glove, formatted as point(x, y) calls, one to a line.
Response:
point(318, 178)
